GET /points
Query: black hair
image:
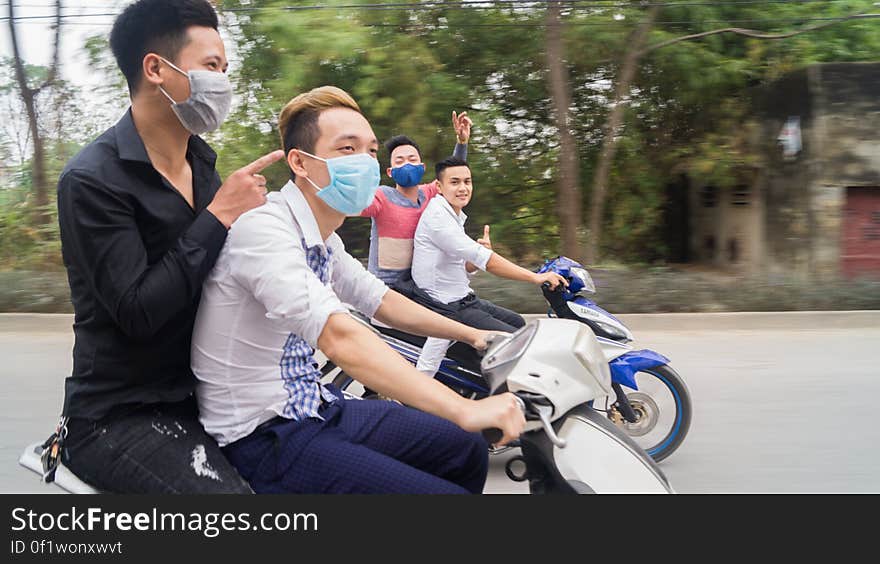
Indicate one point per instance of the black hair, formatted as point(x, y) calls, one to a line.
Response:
point(400, 141)
point(155, 26)
point(447, 163)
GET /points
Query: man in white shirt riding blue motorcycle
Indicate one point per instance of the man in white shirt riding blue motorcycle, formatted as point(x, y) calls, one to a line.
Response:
point(444, 258)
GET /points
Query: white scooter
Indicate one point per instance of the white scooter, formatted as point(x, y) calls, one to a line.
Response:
point(556, 367)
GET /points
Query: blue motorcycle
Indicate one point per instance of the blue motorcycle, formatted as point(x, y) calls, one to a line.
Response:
point(652, 403)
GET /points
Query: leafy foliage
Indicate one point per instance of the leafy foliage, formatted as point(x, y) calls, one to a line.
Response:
point(410, 67)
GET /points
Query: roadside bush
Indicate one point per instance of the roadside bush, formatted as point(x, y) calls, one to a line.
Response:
point(662, 289)
point(34, 292)
point(619, 290)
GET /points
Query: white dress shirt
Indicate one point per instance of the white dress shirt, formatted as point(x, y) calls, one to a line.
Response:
point(260, 293)
point(440, 250)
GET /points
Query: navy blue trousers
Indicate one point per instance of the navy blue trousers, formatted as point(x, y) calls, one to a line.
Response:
point(362, 446)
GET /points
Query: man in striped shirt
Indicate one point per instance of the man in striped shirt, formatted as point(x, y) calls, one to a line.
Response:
point(395, 211)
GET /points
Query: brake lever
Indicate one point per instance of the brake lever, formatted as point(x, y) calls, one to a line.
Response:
point(544, 412)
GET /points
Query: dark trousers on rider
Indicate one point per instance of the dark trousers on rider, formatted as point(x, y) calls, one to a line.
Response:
point(470, 310)
point(362, 447)
point(156, 448)
point(483, 314)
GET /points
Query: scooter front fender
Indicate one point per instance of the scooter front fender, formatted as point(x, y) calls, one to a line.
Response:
point(624, 367)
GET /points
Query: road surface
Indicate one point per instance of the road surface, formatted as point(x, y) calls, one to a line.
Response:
point(783, 403)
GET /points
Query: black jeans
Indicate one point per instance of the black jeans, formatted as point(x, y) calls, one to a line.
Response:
point(158, 448)
point(470, 310)
point(483, 314)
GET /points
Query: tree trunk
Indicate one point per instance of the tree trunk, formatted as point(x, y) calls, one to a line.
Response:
point(29, 98)
point(568, 187)
point(612, 129)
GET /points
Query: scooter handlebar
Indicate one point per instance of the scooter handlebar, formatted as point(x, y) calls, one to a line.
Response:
point(493, 434)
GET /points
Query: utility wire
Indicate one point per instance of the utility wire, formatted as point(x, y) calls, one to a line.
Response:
point(454, 4)
point(567, 24)
point(482, 4)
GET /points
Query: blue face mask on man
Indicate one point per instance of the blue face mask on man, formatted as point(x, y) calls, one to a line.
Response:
point(408, 175)
point(353, 182)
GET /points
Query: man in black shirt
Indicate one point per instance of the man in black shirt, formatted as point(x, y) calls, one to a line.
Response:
point(143, 216)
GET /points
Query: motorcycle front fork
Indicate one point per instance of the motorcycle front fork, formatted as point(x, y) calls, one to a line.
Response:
point(622, 405)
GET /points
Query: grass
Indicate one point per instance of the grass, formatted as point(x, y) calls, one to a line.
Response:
point(619, 290)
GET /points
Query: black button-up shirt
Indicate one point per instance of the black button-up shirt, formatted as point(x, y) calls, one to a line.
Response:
point(136, 255)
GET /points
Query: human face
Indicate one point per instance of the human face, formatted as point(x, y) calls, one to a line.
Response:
point(404, 154)
point(203, 51)
point(456, 186)
point(342, 131)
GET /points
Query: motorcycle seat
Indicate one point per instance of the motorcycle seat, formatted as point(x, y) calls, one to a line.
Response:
point(64, 478)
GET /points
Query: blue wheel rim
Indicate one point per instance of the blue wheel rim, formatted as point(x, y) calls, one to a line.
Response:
point(678, 414)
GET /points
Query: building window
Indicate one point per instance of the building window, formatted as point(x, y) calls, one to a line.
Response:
point(740, 195)
point(709, 196)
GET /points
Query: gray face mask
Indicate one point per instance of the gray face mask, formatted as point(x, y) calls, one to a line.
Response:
point(210, 95)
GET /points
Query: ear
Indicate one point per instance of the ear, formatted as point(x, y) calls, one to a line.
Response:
point(388, 172)
point(295, 162)
point(151, 66)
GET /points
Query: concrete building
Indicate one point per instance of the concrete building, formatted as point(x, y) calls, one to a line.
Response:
point(812, 208)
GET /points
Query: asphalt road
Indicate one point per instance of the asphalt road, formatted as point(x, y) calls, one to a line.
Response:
point(783, 403)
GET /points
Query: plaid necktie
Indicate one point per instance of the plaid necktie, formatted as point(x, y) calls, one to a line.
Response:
point(300, 373)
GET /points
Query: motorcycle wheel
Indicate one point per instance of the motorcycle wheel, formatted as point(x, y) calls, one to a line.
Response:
point(663, 407)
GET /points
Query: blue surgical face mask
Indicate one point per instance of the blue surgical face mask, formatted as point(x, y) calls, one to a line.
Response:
point(408, 174)
point(353, 182)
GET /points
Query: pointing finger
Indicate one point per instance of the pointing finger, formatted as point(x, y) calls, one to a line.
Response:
point(263, 162)
point(485, 232)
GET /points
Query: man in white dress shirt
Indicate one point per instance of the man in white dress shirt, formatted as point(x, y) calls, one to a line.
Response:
point(444, 258)
point(277, 292)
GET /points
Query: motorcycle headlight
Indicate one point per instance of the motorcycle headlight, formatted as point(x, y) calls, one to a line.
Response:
point(615, 332)
point(509, 350)
point(585, 278)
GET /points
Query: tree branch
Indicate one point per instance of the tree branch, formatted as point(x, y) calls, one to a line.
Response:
point(756, 34)
point(20, 75)
point(53, 67)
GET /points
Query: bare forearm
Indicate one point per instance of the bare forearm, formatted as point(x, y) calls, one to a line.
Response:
point(500, 266)
point(367, 359)
point(406, 315)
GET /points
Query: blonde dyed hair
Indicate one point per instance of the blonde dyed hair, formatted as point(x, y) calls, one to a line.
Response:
point(298, 122)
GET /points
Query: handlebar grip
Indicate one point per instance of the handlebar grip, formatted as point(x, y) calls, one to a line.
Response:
point(492, 435)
